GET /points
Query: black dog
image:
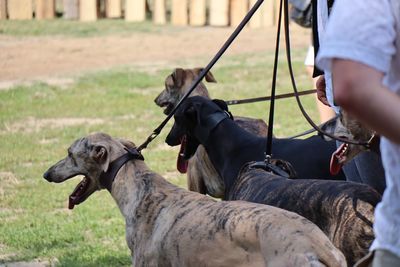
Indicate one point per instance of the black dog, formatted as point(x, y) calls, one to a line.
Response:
point(343, 210)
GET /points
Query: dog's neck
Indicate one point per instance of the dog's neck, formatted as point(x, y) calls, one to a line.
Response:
point(136, 189)
point(124, 189)
point(230, 147)
point(106, 179)
point(142, 195)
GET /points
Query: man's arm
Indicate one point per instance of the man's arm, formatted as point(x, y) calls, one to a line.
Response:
point(358, 89)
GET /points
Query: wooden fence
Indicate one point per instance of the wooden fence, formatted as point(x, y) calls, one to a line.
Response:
point(175, 12)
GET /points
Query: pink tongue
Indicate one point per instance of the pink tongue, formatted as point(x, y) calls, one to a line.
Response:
point(182, 163)
point(335, 165)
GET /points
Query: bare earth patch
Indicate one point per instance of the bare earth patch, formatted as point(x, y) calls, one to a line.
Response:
point(35, 263)
point(9, 178)
point(32, 124)
point(51, 59)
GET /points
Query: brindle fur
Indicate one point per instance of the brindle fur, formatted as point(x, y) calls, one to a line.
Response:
point(201, 175)
point(343, 210)
point(169, 226)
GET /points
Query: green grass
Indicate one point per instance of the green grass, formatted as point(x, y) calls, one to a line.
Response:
point(61, 27)
point(39, 122)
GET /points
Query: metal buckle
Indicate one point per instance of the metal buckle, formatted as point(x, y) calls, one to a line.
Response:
point(269, 167)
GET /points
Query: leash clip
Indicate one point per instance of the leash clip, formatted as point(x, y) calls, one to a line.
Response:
point(134, 153)
point(269, 167)
point(267, 158)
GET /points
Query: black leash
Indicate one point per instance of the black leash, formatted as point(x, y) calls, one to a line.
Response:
point(301, 134)
point(268, 149)
point(306, 116)
point(203, 73)
point(267, 98)
point(267, 164)
point(226, 45)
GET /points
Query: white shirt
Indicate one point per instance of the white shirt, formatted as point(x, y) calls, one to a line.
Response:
point(368, 31)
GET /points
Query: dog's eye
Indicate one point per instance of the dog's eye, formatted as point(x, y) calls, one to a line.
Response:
point(71, 156)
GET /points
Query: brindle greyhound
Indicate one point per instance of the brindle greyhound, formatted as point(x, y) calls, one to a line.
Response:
point(368, 165)
point(343, 210)
point(202, 176)
point(347, 127)
point(169, 226)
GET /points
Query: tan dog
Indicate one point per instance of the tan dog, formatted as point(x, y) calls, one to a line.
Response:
point(169, 226)
point(178, 83)
point(202, 176)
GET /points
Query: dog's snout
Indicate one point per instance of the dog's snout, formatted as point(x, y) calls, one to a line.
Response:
point(172, 140)
point(174, 136)
point(169, 141)
point(156, 100)
point(47, 176)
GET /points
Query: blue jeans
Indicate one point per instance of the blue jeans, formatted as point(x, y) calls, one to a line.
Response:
point(366, 168)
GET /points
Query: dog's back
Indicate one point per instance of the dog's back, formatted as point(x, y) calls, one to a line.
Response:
point(343, 210)
point(193, 230)
point(310, 157)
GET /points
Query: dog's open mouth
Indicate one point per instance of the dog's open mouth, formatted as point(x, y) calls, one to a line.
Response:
point(182, 162)
point(80, 193)
point(167, 107)
point(338, 159)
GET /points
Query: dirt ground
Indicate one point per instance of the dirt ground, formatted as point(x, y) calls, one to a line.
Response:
point(54, 58)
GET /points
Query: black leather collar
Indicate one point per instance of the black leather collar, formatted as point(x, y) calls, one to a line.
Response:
point(107, 178)
point(204, 128)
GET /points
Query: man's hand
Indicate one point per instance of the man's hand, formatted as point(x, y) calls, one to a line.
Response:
point(321, 90)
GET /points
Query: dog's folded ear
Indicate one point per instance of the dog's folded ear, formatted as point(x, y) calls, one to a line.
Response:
point(329, 127)
point(209, 76)
point(179, 76)
point(126, 143)
point(100, 154)
point(221, 103)
point(191, 114)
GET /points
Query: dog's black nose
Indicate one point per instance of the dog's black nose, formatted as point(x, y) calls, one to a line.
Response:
point(46, 176)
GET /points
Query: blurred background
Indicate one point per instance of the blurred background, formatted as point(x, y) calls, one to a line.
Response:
point(69, 68)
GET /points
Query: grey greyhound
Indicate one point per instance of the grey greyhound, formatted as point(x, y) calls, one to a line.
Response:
point(170, 226)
